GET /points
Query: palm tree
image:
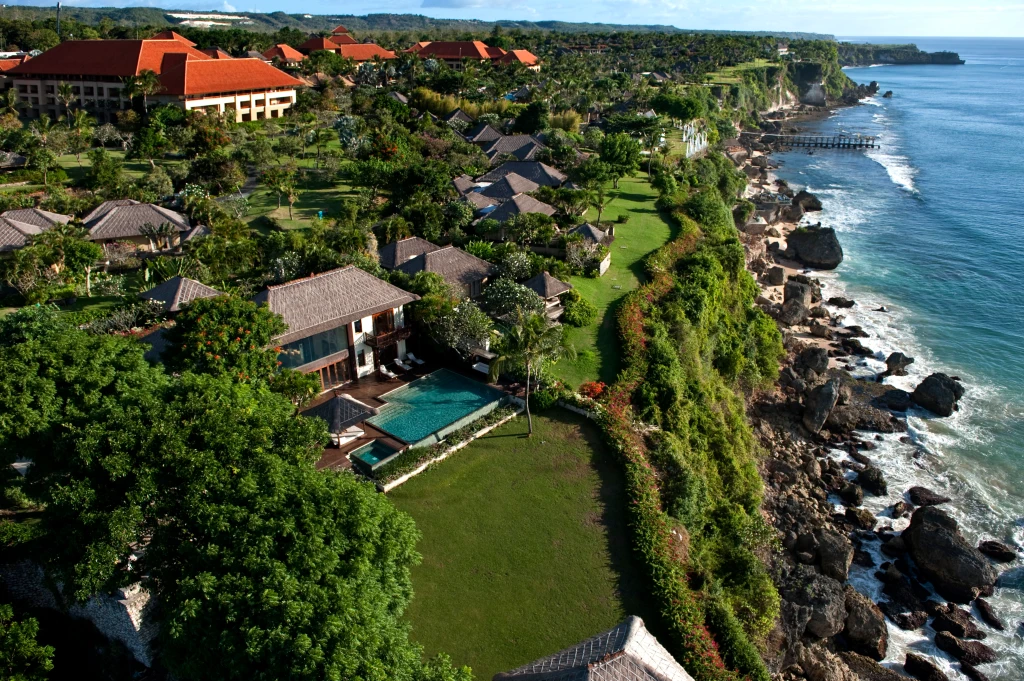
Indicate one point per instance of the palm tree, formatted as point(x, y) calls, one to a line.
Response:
point(42, 129)
point(66, 95)
point(9, 103)
point(143, 85)
point(531, 341)
point(81, 124)
point(599, 199)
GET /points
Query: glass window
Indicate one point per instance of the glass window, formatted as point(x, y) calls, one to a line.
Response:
point(358, 324)
point(312, 348)
point(362, 358)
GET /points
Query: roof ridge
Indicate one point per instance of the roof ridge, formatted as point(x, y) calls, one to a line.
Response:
point(311, 277)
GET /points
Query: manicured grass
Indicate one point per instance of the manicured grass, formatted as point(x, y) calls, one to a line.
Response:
point(525, 545)
point(596, 345)
point(732, 75)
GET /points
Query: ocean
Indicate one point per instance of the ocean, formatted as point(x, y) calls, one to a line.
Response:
point(931, 226)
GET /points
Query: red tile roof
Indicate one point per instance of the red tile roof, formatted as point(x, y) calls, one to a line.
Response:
point(317, 43)
point(171, 35)
point(418, 46)
point(457, 50)
point(343, 39)
point(216, 53)
point(524, 56)
point(118, 58)
point(364, 52)
point(184, 76)
point(339, 29)
point(8, 64)
point(285, 52)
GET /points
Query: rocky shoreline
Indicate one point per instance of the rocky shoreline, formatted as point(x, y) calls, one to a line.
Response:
point(828, 631)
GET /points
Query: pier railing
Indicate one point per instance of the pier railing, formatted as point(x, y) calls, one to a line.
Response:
point(815, 141)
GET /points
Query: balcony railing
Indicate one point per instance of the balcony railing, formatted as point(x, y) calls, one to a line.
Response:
point(383, 340)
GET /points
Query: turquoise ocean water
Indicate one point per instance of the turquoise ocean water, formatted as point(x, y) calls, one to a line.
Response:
point(932, 225)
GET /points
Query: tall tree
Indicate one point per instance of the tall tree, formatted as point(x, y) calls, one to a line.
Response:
point(530, 341)
point(622, 154)
point(143, 85)
point(66, 95)
point(21, 656)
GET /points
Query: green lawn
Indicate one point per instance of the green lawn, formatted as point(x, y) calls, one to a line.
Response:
point(732, 75)
point(596, 345)
point(525, 545)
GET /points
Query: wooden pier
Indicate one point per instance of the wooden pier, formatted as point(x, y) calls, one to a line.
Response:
point(817, 141)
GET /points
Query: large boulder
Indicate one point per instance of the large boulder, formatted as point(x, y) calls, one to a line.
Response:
point(920, 668)
point(824, 601)
point(820, 403)
point(896, 365)
point(869, 670)
point(816, 247)
point(939, 394)
point(776, 276)
point(796, 290)
point(820, 664)
point(998, 551)
point(957, 622)
point(793, 312)
point(836, 554)
point(971, 652)
point(958, 570)
point(865, 627)
point(815, 359)
point(808, 201)
point(922, 496)
point(872, 480)
point(988, 614)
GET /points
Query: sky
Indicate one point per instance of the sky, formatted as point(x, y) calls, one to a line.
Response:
point(997, 18)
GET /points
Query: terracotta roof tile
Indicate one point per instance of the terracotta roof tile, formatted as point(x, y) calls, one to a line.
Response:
point(8, 64)
point(466, 49)
point(284, 52)
point(329, 300)
point(177, 292)
point(343, 39)
point(339, 29)
point(318, 43)
point(524, 56)
point(364, 52)
point(118, 58)
point(193, 77)
point(216, 53)
point(171, 35)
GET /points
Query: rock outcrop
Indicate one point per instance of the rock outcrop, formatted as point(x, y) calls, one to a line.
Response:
point(922, 496)
point(939, 394)
point(998, 551)
point(816, 247)
point(959, 571)
point(820, 402)
point(865, 627)
point(921, 668)
point(971, 652)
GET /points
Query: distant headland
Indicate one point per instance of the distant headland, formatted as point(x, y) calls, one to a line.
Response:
point(855, 54)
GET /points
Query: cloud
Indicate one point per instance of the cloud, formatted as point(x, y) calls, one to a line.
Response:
point(228, 7)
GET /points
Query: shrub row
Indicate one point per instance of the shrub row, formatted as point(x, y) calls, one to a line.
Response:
point(411, 459)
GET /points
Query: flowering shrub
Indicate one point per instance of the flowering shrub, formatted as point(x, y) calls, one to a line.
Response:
point(593, 389)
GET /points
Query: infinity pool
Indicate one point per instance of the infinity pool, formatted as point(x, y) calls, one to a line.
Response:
point(418, 413)
point(373, 453)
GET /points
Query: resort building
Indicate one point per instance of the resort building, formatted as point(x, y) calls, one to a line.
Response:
point(399, 252)
point(147, 226)
point(535, 171)
point(508, 186)
point(285, 54)
point(520, 147)
point(454, 53)
point(463, 271)
point(518, 205)
point(15, 234)
point(357, 52)
point(626, 653)
point(177, 292)
point(43, 219)
point(342, 36)
point(549, 289)
point(342, 325)
point(189, 78)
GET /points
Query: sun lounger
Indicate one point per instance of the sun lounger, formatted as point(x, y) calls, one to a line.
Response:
point(482, 368)
point(414, 359)
point(386, 372)
point(402, 365)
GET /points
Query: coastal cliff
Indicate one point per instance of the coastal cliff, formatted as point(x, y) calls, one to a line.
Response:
point(851, 54)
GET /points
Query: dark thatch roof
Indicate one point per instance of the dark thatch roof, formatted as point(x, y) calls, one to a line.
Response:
point(329, 300)
point(538, 172)
point(36, 216)
point(546, 286)
point(482, 133)
point(340, 412)
point(479, 201)
point(523, 147)
point(464, 184)
point(15, 234)
point(590, 233)
point(126, 218)
point(458, 115)
point(458, 267)
point(398, 252)
point(509, 186)
point(626, 653)
point(521, 203)
point(177, 292)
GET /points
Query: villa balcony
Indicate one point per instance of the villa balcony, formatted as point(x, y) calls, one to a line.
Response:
point(383, 340)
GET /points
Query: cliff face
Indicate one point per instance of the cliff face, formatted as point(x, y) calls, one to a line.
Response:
point(864, 55)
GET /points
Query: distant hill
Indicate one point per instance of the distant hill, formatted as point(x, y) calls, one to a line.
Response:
point(152, 16)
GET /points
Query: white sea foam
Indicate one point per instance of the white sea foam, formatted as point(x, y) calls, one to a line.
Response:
point(899, 168)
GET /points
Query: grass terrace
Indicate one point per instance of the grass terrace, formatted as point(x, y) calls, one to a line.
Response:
point(525, 545)
point(732, 75)
point(596, 345)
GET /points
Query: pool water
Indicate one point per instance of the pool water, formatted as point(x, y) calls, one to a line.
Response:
point(373, 453)
point(431, 404)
